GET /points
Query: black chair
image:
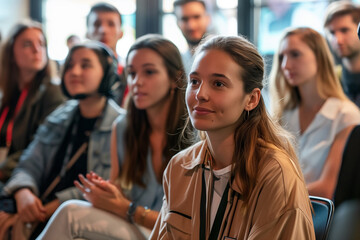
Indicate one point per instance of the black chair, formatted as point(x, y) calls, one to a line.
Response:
point(346, 222)
point(347, 187)
point(322, 216)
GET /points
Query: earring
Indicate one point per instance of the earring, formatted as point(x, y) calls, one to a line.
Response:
point(248, 114)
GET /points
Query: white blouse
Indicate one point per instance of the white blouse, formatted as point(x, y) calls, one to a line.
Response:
point(315, 143)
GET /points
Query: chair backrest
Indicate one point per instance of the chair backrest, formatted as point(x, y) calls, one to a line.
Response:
point(346, 222)
point(322, 216)
point(347, 187)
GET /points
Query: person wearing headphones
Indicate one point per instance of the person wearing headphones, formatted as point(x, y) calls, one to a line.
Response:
point(143, 141)
point(74, 139)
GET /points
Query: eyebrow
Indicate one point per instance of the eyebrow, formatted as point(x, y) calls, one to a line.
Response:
point(214, 75)
point(86, 60)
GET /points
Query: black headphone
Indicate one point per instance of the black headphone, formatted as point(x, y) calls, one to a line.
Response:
point(359, 31)
point(110, 72)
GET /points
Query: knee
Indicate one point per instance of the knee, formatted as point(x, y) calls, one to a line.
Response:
point(67, 208)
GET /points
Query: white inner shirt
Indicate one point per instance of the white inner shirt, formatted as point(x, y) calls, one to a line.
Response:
point(221, 179)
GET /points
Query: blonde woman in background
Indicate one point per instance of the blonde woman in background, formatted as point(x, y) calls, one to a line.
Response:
point(308, 99)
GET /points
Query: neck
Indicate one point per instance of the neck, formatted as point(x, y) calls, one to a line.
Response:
point(92, 107)
point(352, 64)
point(309, 94)
point(25, 78)
point(222, 148)
point(157, 116)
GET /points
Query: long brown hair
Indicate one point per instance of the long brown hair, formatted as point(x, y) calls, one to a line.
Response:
point(10, 71)
point(138, 129)
point(256, 134)
point(286, 97)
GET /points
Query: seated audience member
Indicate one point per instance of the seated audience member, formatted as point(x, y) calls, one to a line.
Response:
point(73, 140)
point(126, 207)
point(28, 92)
point(194, 20)
point(242, 181)
point(311, 104)
point(341, 23)
point(104, 25)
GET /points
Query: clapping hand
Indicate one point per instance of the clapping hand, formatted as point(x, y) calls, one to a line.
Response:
point(102, 194)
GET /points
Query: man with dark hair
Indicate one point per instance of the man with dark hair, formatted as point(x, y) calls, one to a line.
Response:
point(104, 24)
point(341, 22)
point(193, 21)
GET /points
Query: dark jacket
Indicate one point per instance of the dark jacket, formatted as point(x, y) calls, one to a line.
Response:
point(33, 112)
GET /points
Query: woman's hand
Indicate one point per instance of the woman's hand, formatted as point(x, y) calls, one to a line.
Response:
point(29, 206)
point(103, 194)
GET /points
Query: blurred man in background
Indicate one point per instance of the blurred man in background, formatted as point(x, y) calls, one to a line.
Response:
point(193, 21)
point(341, 23)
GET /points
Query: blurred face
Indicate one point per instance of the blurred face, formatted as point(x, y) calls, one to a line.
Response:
point(215, 96)
point(30, 51)
point(342, 35)
point(148, 79)
point(192, 20)
point(298, 62)
point(105, 27)
point(84, 72)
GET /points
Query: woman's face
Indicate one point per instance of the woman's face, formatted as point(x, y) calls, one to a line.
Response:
point(30, 51)
point(298, 62)
point(148, 79)
point(84, 72)
point(215, 96)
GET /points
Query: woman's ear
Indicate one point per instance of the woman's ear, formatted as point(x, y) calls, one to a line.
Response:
point(253, 100)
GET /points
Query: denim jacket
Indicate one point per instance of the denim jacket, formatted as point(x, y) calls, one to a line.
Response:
point(37, 160)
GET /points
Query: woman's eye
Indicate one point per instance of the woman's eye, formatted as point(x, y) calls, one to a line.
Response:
point(193, 81)
point(27, 44)
point(219, 84)
point(149, 72)
point(86, 65)
point(132, 74)
point(295, 54)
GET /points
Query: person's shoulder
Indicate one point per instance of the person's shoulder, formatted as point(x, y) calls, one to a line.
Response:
point(113, 105)
point(62, 112)
point(278, 164)
point(190, 157)
point(345, 108)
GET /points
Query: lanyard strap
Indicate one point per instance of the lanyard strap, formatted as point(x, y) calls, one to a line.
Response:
point(219, 214)
point(5, 112)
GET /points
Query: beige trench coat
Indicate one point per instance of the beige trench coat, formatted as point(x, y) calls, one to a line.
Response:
point(279, 206)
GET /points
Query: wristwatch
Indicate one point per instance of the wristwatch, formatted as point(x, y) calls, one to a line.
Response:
point(131, 212)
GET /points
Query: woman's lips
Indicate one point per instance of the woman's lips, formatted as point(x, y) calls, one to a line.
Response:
point(202, 111)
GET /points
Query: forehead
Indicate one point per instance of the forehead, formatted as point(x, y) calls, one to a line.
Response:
point(342, 21)
point(31, 33)
point(191, 8)
point(144, 55)
point(103, 16)
point(216, 61)
point(83, 53)
point(293, 42)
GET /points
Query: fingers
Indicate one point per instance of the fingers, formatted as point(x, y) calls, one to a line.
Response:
point(32, 213)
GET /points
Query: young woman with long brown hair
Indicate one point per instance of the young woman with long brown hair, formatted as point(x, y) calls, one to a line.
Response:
point(127, 206)
point(242, 181)
point(28, 91)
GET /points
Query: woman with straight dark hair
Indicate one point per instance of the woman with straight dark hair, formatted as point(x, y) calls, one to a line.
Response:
point(242, 181)
point(28, 93)
point(126, 207)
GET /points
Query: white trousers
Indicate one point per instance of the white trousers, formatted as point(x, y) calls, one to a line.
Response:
point(77, 219)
